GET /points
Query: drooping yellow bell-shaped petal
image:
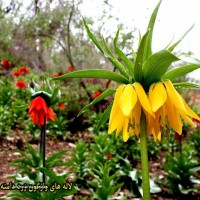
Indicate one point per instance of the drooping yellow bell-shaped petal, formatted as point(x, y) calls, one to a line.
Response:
point(150, 97)
point(128, 100)
point(187, 119)
point(174, 97)
point(157, 96)
point(190, 112)
point(173, 117)
point(115, 107)
point(144, 101)
point(179, 103)
point(116, 123)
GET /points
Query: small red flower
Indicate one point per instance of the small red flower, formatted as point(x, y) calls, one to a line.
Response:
point(70, 68)
point(16, 73)
point(109, 155)
point(5, 64)
point(62, 106)
point(20, 84)
point(96, 94)
point(38, 110)
point(24, 70)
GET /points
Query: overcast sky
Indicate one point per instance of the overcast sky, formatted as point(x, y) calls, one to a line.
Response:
point(174, 18)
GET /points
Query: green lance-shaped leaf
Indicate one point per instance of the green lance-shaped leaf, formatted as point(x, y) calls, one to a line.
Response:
point(129, 65)
point(111, 57)
point(94, 73)
point(171, 48)
point(140, 59)
point(148, 44)
point(180, 71)
point(106, 93)
point(60, 179)
point(92, 37)
point(55, 159)
point(156, 66)
point(104, 117)
point(34, 154)
point(185, 85)
point(118, 65)
point(105, 50)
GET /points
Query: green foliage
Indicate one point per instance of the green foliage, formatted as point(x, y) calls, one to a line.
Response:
point(181, 169)
point(78, 163)
point(30, 172)
point(171, 47)
point(104, 117)
point(12, 110)
point(32, 160)
point(180, 71)
point(185, 85)
point(121, 158)
point(101, 147)
point(156, 66)
point(53, 189)
point(94, 73)
point(6, 120)
point(106, 93)
point(153, 149)
point(195, 139)
point(122, 56)
point(150, 28)
point(104, 185)
point(140, 58)
point(106, 51)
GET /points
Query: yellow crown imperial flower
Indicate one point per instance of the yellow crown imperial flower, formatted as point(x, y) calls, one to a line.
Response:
point(169, 107)
point(144, 103)
point(125, 115)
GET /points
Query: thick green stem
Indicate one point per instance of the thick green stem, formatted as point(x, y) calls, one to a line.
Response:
point(144, 159)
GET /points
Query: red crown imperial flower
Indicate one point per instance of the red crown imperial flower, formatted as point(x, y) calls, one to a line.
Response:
point(39, 110)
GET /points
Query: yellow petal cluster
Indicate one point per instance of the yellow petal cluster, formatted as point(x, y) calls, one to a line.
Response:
point(125, 115)
point(169, 107)
point(162, 107)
